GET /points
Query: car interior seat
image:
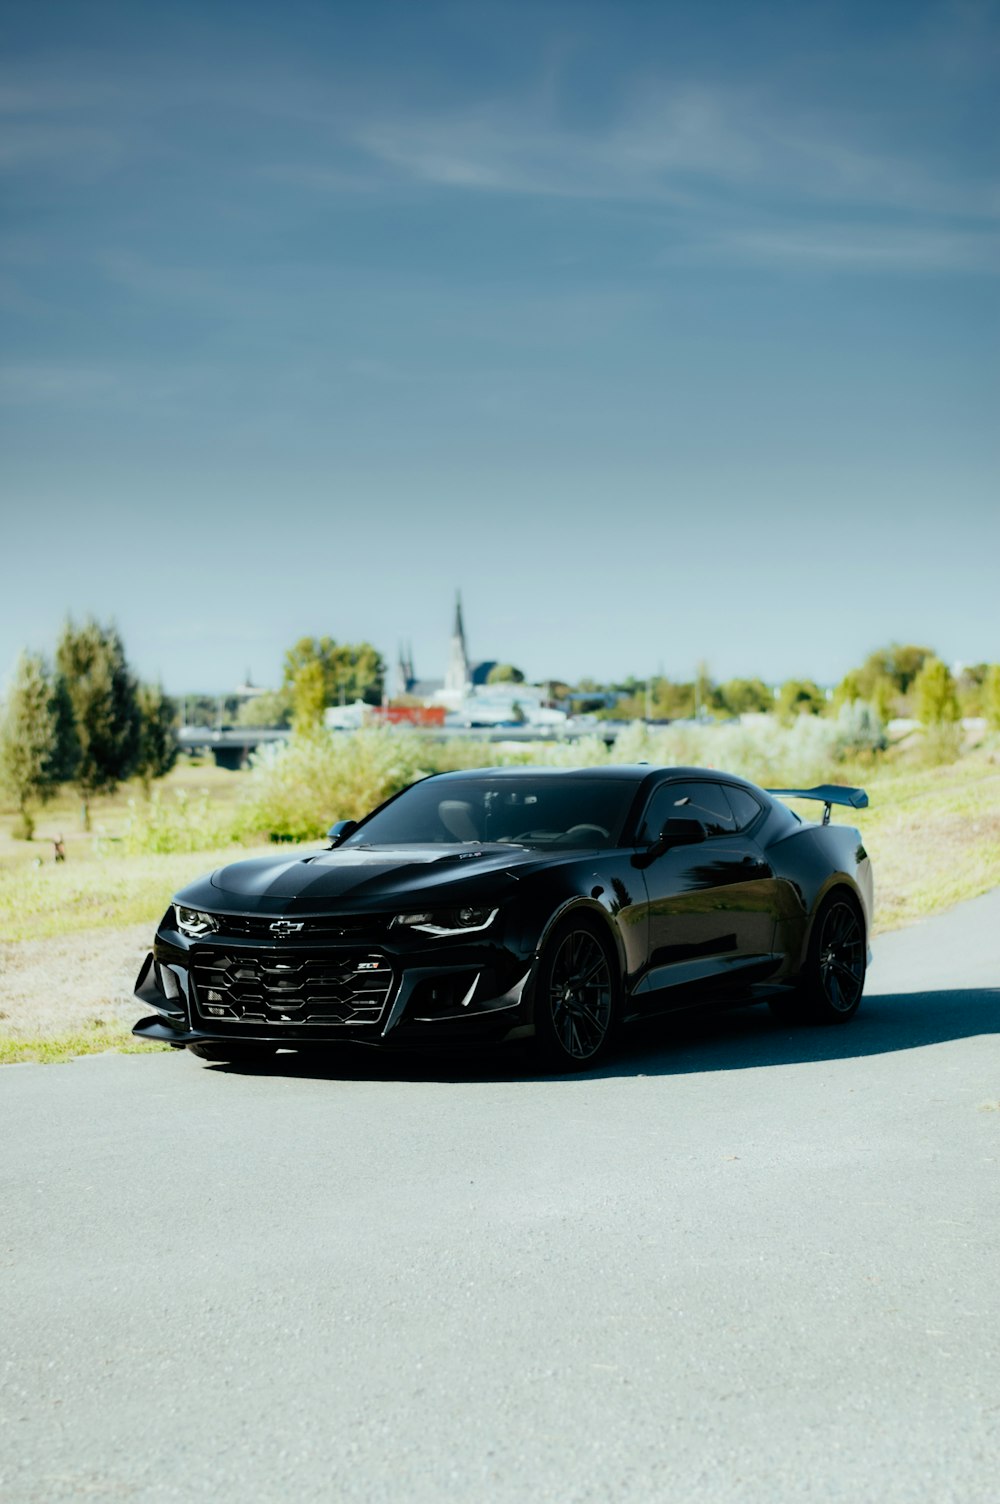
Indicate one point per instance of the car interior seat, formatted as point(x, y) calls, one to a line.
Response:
point(456, 817)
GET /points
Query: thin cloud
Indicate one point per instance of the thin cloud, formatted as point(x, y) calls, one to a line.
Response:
point(864, 248)
point(666, 146)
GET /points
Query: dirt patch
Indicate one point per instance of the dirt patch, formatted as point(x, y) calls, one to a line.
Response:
point(71, 982)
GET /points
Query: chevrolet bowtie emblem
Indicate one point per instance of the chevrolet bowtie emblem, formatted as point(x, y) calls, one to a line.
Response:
point(286, 927)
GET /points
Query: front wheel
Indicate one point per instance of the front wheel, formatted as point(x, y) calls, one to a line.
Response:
point(833, 977)
point(576, 996)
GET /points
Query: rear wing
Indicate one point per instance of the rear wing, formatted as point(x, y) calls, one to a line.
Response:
point(830, 794)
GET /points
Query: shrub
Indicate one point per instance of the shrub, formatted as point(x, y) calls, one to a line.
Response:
point(176, 822)
point(296, 790)
point(940, 744)
point(587, 752)
point(860, 728)
point(766, 752)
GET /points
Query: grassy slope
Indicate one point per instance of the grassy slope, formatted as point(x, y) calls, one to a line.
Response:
point(40, 902)
point(933, 837)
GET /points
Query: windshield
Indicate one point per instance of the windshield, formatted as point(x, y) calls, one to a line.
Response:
point(528, 811)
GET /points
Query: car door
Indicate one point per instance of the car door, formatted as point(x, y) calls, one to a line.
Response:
point(711, 916)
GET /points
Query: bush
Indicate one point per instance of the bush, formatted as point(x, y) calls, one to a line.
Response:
point(940, 744)
point(176, 822)
point(803, 753)
point(587, 752)
point(860, 728)
point(299, 788)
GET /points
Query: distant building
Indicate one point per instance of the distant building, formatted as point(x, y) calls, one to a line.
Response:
point(461, 674)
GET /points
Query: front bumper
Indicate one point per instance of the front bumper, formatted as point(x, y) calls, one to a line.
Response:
point(231, 989)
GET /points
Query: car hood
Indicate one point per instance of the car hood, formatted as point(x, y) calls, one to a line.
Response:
point(374, 876)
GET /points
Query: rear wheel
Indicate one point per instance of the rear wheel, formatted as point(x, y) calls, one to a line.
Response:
point(833, 978)
point(576, 996)
point(240, 1052)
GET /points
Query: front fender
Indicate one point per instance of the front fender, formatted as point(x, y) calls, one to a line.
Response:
point(570, 906)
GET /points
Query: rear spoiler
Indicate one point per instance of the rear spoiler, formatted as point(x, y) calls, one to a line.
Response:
point(830, 794)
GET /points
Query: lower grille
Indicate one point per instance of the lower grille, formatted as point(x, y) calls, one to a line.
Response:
point(285, 989)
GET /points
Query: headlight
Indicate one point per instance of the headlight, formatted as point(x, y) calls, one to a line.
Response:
point(448, 921)
point(194, 922)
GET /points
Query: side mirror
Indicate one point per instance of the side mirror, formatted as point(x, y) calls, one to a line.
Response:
point(677, 832)
point(339, 832)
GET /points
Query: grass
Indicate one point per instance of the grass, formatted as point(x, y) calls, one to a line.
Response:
point(103, 891)
point(61, 816)
point(56, 1049)
point(933, 836)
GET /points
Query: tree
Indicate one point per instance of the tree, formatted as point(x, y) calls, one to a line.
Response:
point(860, 728)
point(800, 697)
point(937, 700)
point(157, 749)
point(740, 696)
point(106, 720)
point(308, 697)
point(969, 685)
point(36, 747)
point(351, 671)
point(504, 673)
point(885, 677)
point(704, 689)
point(991, 696)
point(272, 708)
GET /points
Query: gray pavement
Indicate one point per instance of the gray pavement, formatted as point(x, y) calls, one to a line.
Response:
point(741, 1263)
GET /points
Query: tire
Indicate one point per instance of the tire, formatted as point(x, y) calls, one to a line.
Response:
point(240, 1052)
point(833, 978)
point(577, 996)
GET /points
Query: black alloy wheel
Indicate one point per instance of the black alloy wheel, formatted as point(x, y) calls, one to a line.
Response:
point(834, 975)
point(240, 1052)
point(576, 998)
point(840, 961)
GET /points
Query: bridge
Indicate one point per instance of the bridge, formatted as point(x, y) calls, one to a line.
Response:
point(231, 746)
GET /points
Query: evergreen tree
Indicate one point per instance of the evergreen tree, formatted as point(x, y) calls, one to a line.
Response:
point(35, 739)
point(106, 718)
point(157, 750)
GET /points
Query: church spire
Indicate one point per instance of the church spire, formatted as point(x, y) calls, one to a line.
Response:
point(458, 679)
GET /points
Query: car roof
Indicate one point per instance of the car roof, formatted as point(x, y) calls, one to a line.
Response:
point(635, 772)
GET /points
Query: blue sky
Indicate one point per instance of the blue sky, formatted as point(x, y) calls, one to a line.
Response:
point(665, 332)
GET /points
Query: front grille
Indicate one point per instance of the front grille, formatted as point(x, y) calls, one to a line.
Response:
point(287, 988)
point(333, 926)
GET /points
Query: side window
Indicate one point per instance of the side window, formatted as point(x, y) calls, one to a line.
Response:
point(745, 807)
point(706, 802)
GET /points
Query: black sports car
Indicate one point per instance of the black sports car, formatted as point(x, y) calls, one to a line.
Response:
point(509, 902)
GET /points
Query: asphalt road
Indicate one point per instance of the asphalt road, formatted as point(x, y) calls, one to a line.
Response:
point(742, 1263)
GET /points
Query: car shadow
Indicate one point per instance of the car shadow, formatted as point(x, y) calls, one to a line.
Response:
point(709, 1039)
